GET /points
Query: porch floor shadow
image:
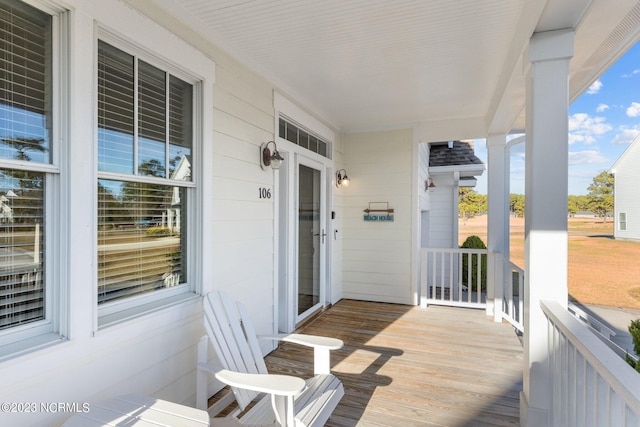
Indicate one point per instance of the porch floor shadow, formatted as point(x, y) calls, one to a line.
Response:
point(407, 366)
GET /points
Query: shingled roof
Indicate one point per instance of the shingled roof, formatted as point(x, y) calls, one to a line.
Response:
point(461, 153)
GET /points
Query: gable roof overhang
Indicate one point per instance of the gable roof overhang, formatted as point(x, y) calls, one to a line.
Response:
point(451, 70)
point(463, 170)
point(625, 154)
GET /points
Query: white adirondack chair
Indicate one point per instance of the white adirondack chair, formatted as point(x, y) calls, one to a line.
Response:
point(287, 401)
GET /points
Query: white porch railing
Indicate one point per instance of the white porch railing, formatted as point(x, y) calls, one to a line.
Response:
point(589, 385)
point(513, 295)
point(444, 281)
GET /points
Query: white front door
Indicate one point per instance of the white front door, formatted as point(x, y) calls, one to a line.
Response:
point(311, 237)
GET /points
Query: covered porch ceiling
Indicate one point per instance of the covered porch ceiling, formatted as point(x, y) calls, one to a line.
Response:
point(455, 68)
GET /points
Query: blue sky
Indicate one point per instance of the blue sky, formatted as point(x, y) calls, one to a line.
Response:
point(602, 123)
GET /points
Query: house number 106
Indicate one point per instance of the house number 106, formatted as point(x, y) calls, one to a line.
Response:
point(265, 193)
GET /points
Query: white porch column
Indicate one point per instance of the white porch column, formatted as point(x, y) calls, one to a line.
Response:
point(546, 181)
point(498, 223)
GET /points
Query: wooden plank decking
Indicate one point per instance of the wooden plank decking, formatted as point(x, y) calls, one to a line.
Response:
point(407, 366)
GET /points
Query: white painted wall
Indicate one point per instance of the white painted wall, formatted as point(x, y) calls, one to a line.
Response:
point(376, 256)
point(627, 176)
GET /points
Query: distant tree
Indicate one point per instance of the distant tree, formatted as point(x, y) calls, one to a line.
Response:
point(572, 205)
point(470, 203)
point(516, 204)
point(578, 203)
point(110, 206)
point(143, 201)
point(24, 145)
point(600, 197)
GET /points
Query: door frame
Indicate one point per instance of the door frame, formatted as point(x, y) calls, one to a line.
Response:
point(286, 235)
point(302, 160)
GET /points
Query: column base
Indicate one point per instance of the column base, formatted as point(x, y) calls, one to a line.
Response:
point(531, 417)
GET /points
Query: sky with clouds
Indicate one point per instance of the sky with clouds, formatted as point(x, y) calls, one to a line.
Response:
point(603, 121)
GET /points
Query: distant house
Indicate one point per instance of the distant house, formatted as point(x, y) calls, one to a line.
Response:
point(584, 214)
point(451, 165)
point(627, 194)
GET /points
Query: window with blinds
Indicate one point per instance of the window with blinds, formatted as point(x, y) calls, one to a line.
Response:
point(25, 135)
point(144, 168)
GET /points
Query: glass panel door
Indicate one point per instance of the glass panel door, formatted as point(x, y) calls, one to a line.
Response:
point(311, 237)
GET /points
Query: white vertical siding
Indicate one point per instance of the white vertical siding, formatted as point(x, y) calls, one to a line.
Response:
point(627, 193)
point(442, 217)
point(377, 255)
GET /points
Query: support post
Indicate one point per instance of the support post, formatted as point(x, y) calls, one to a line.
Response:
point(546, 191)
point(497, 219)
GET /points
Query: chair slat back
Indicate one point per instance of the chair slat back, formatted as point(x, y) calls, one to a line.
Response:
point(234, 347)
point(252, 338)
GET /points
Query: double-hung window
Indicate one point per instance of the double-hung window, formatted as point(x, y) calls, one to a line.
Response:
point(28, 175)
point(622, 221)
point(145, 155)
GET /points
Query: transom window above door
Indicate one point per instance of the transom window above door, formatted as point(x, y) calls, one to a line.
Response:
point(305, 139)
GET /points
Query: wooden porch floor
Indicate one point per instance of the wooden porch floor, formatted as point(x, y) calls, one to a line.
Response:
point(407, 366)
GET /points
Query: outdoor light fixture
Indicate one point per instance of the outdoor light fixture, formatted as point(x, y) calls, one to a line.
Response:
point(270, 159)
point(342, 179)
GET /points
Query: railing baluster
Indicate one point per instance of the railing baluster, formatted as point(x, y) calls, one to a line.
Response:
point(589, 384)
point(479, 278)
point(450, 281)
point(434, 282)
point(460, 277)
point(442, 272)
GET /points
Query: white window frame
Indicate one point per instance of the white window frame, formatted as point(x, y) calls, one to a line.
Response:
point(124, 309)
point(621, 222)
point(54, 327)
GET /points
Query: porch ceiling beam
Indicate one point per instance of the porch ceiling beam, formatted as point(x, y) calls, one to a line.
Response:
point(508, 97)
point(506, 111)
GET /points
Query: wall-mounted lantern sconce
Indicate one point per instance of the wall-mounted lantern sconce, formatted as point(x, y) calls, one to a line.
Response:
point(342, 179)
point(430, 185)
point(270, 159)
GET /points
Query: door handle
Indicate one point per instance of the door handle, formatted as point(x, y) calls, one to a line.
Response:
point(324, 234)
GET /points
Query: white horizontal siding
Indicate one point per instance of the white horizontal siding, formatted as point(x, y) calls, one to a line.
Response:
point(377, 255)
point(423, 175)
point(146, 355)
point(243, 223)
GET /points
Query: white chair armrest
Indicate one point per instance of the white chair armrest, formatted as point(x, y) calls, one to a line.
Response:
point(321, 348)
point(281, 385)
point(314, 341)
